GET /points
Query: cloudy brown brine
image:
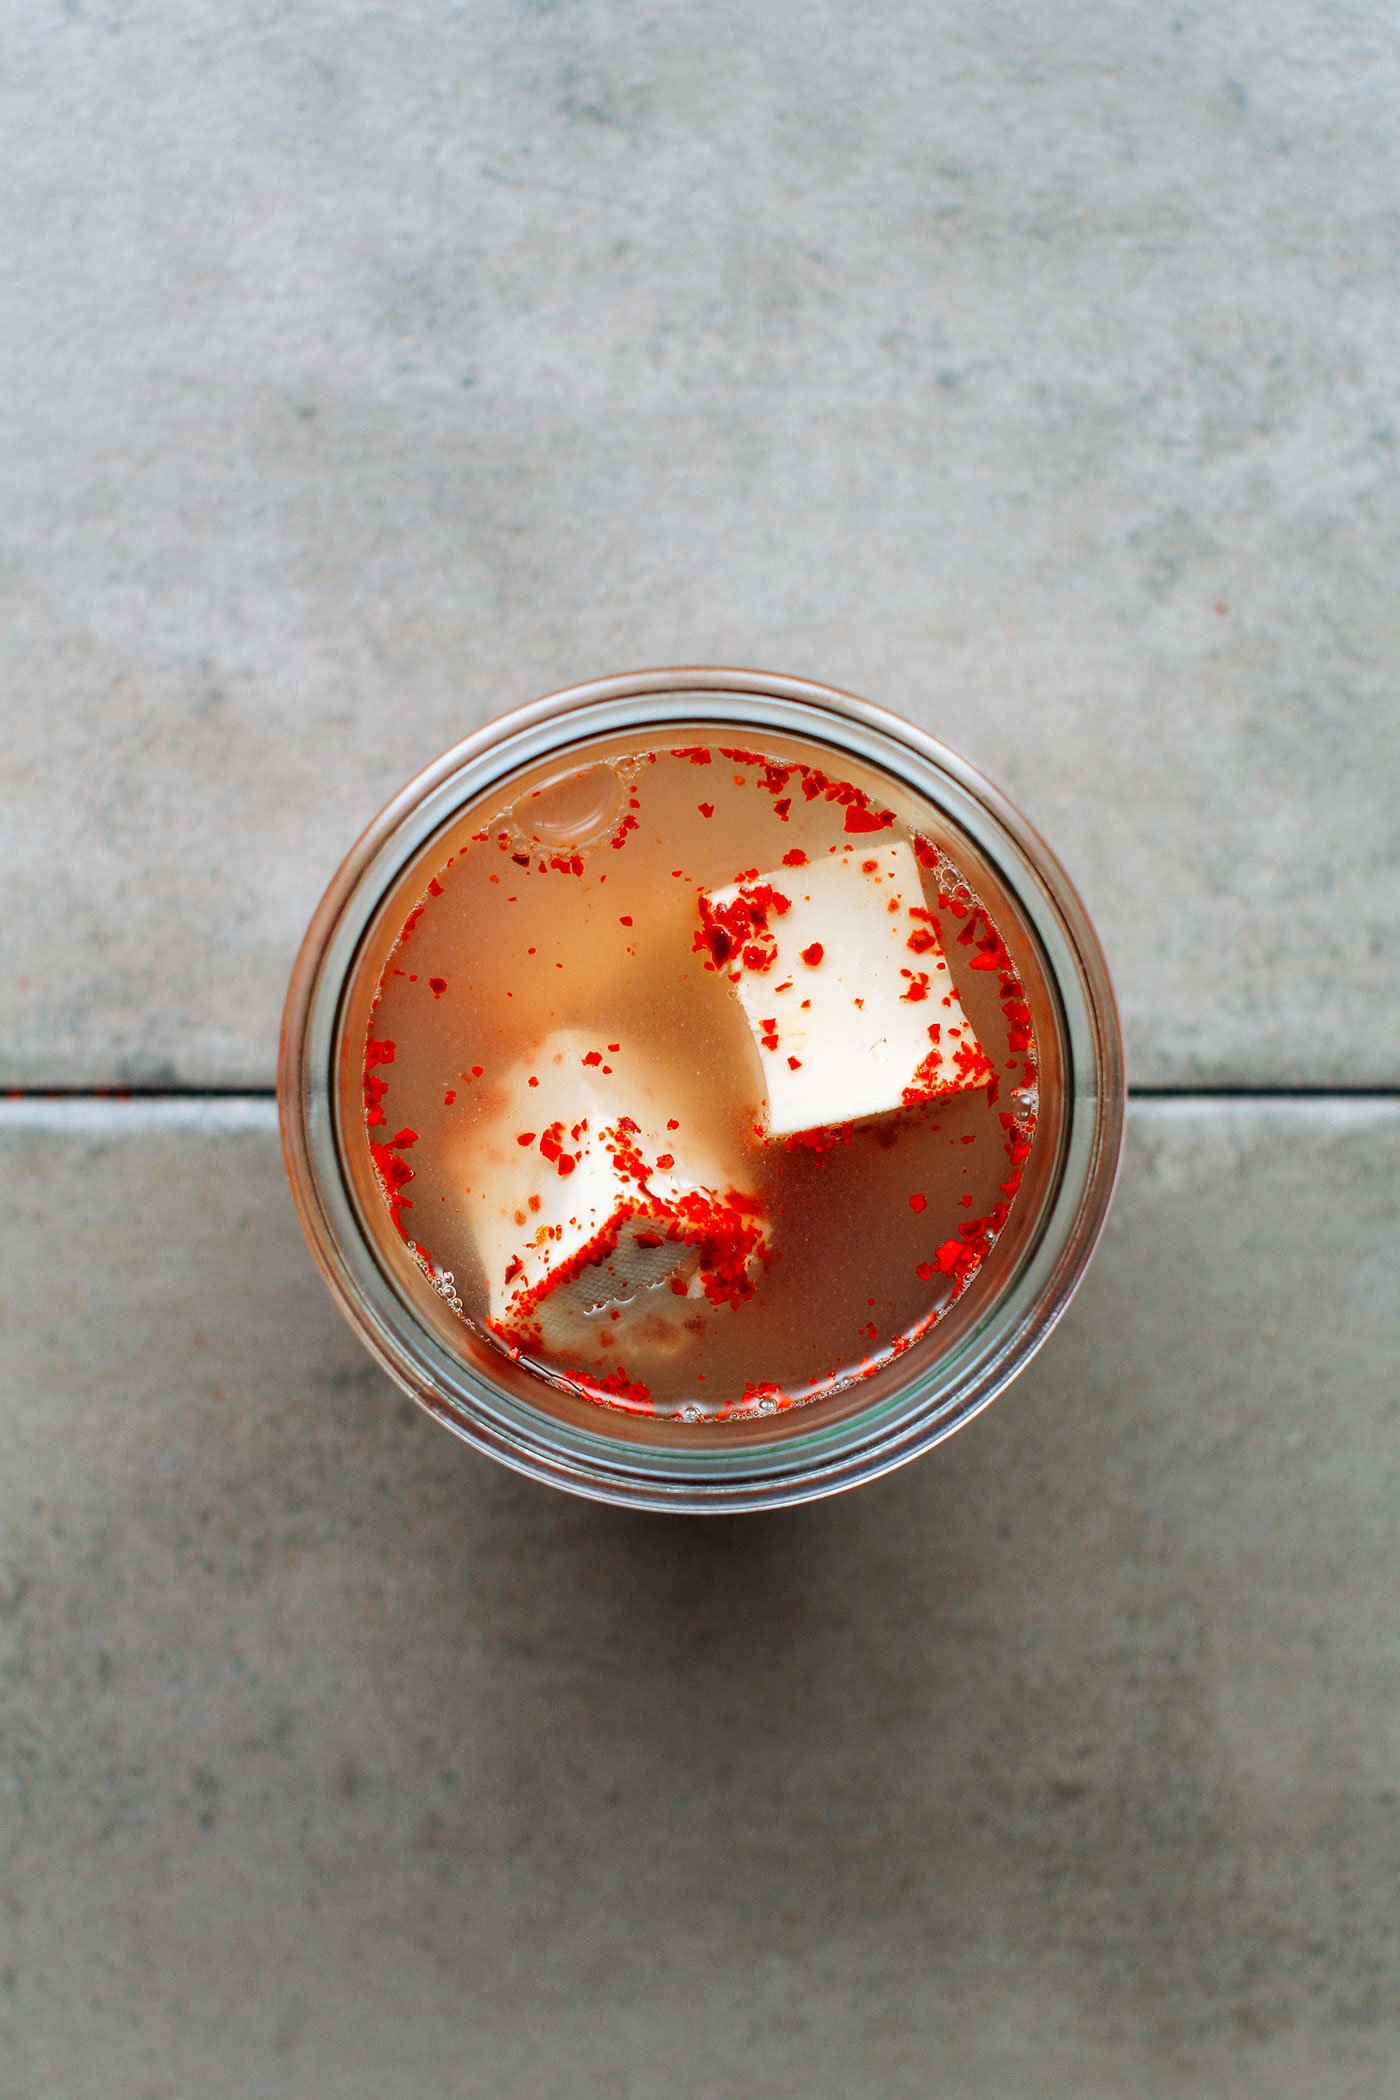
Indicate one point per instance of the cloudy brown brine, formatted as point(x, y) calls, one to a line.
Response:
point(698, 1079)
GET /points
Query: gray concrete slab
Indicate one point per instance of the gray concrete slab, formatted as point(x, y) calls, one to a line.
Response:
point(342, 1763)
point(1030, 367)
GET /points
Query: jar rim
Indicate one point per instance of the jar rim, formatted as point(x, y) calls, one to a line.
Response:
point(798, 1464)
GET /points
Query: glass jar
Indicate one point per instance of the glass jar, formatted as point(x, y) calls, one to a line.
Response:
point(750, 1463)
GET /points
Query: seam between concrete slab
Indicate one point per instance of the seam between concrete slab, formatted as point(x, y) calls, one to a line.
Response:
point(1149, 1092)
point(110, 1115)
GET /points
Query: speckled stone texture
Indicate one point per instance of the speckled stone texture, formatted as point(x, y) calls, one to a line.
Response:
point(1063, 1765)
point(1030, 367)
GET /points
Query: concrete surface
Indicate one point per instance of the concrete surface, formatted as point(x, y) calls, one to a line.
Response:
point(1064, 1765)
point(1031, 367)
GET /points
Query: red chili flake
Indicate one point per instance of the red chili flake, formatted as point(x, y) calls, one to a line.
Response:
point(794, 858)
point(858, 819)
point(449, 1097)
point(741, 926)
point(378, 1053)
point(822, 1139)
point(672, 1124)
point(813, 955)
point(593, 1057)
point(394, 1173)
point(918, 1203)
point(921, 940)
point(696, 753)
point(437, 986)
point(434, 887)
point(477, 1071)
point(867, 1333)
point(411, 921)
point(624, 920)
point(526, 1137)
point(665, 1161)
point(795, 1064)
point(707, 809)
point(567, 1163)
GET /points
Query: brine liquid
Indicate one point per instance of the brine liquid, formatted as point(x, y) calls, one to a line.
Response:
point(570, 901)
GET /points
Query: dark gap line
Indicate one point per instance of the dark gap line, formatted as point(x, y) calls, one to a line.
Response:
point(1217, 1092)
point(138, 1093)
point(1231, 1092)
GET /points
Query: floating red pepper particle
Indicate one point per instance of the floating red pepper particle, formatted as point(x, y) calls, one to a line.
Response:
point(707, 809)
point(665, 1161)
point(437, 986)
point(624, 920)
point(813, 955)
point(794, 858)
point(918, 1203)
point(795, 1064)
point(858, 819)
point(526, 1137)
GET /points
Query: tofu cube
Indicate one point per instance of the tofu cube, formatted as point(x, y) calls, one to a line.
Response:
point(843, 981)
point(593, 1187)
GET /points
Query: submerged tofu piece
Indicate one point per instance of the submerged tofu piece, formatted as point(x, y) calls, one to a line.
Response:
point(843, 981)
point(594, 1190)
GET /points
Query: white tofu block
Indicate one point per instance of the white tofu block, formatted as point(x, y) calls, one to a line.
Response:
point(597, 1189)
point(845, 986)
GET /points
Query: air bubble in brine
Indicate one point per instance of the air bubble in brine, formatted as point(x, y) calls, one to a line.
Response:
point(572, 815)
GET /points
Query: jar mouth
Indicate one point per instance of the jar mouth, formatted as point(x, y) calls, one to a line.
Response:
point(783, 1460)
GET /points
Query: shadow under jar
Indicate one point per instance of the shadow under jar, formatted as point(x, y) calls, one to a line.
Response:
point(794, 941)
